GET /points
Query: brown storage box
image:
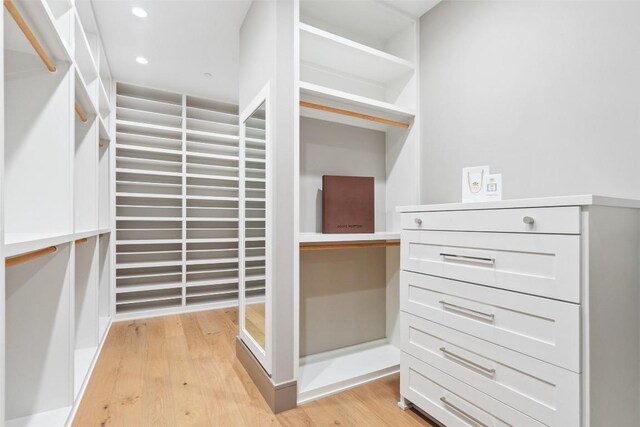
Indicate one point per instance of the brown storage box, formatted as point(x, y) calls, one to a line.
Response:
point(348, 204)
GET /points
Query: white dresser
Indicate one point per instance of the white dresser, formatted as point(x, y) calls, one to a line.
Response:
point(522, 312)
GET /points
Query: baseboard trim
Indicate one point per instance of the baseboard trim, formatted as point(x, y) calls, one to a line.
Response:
point(279, 397)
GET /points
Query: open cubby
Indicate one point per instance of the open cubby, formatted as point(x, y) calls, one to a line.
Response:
point(39, 335)
point(86, 308)
point(86, 175)
point(38, 162)
point(104, 284)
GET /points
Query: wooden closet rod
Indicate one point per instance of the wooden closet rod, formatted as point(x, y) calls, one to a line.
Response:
point(334, 246)
point(81, 241)
point(13, 11)
point(10, 262)
point(349, 113)
point(80, 113)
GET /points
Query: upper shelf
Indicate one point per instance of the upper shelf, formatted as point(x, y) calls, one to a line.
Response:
point(380, 114)
point(41, 21)
point(325, 50)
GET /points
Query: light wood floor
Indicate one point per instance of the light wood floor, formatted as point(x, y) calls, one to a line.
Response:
point(181, 371)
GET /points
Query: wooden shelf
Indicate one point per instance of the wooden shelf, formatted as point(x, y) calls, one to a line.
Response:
point(323, 49)
point(310, 92)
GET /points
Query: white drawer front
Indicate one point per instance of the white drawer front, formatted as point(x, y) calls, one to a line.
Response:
point(543, 391)
point(537, 264)
point(452, 402)
point(563, 220)
point(546, 329)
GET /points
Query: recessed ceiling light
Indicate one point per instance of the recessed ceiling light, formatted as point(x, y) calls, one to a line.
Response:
point(142, 60)
point(139, 12)
point(208, 75)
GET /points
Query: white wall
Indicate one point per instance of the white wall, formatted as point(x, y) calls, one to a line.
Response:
point(336, 149)
point(546, 92)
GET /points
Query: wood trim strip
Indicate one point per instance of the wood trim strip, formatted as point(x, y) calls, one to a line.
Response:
point(10, 262)
point(334, 246)
point(80, 113)
point(15, 14)
point(350, 113)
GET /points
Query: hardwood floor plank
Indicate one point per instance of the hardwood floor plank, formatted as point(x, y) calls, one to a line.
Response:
point(181, 370)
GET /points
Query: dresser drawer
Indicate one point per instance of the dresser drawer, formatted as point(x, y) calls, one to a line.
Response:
point(453, 403)
point(546, 329)
point(537, 264)
point(562, 220)
point(543, 391)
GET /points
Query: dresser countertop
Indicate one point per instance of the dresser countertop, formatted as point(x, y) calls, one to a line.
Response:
point(579, 200)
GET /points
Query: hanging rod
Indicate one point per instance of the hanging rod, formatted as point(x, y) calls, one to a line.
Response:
point(81, 241)
point(15, 14)
point(334, 246)
point(10, 262)
point(80, 113)
point(349, 113)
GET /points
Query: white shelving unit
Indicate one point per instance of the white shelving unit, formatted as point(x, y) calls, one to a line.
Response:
point(358, 91)
point(56, 212)
point(177, 165)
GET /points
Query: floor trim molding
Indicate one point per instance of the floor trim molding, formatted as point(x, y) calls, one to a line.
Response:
point(280, 397)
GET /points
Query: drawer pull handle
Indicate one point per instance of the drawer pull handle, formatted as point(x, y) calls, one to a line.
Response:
point(488, 371)
point(528, 220)
point(489, 261)
point(465, 413)
point(465, 310)
point(418, 221)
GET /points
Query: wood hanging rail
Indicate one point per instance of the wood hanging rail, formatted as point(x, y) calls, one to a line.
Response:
point(10, 262)
point(15, 14)
point(334, 246)
point(81, 241)
point(80, 113)
point(349, 113)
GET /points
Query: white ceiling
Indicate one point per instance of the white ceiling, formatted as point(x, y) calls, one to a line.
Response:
point(182, 39)
point(415, 8)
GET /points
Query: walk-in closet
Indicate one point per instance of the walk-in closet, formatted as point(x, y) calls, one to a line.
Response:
point(319, 212)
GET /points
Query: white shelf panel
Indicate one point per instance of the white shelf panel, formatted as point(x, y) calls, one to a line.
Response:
point(152, 287)
point(103, 326)
point(148, 149)
point(42, 21)
point(149, 241)
point(331, 372)
point(329, 51)
point(104, 131)
point(82, 234)
point(83, 358)
point(57, 417)
point(213, 134)
point(20, 243)
point(82, 95)
point(317, 94)
point(148, 126)
point(354, 237)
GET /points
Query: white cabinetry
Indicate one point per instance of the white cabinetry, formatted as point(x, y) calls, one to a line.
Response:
point(56, 236)
point(522, 312)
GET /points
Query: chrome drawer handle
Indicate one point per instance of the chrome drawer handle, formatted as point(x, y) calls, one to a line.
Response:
point(465, 310)
point(480, 260)
point(528, 220)
point(491, 372)
point(465, 413)
point(418, 221)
